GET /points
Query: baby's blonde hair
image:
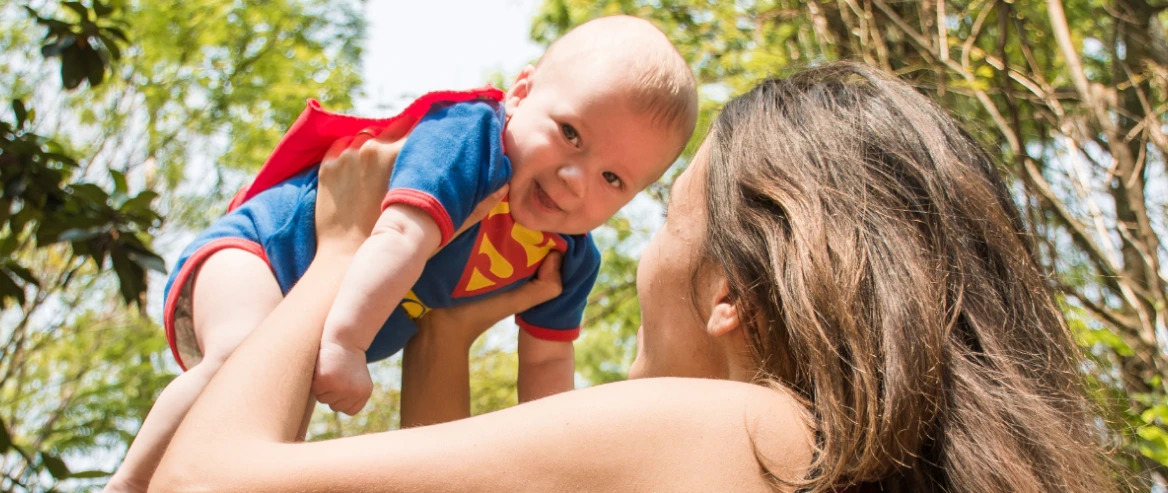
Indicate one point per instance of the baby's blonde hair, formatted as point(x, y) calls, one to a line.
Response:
point(638, 53)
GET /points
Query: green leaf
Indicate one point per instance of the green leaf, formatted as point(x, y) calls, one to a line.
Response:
point(119, 180)
point(102, 9)
point(55, 466)
point(5, 438)
point(78, 8)
point(182, 57)
point(140, 203)
point(72, 71)
point(19, 111)
point(89, 192)
point(89, 474)
point(81, 234)
point(94, 67)
point(111, 45)
point(22, 272)
point(118, 33)
point(10, 289)
point(147, 260)
point(1157, 412)
point(131, 277)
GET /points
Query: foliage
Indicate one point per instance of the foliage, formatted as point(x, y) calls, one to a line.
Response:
point(85, 46)
point(1071, 94)
point(68, 395)
point(35, 203)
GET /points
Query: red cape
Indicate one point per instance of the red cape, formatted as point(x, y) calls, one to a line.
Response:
point(305, 143)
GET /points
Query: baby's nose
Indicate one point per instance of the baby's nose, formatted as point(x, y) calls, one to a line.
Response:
point(573, 178)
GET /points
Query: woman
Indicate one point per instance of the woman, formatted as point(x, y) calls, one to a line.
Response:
point(866, 312)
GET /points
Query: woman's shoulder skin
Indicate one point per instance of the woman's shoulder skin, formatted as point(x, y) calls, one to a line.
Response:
point(661, 434)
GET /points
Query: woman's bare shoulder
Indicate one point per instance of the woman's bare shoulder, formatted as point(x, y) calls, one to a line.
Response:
point(727, 436)
point(770, 419)
point(767, 401)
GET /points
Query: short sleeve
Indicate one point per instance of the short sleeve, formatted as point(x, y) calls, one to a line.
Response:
point(559, 319)
point(451, 161)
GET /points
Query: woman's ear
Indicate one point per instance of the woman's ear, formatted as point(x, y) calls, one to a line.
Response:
point(519, 89)
point(724, 315)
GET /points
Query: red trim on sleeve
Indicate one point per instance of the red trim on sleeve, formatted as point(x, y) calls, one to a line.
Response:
point(189, 267)
point(427, 203)
point(562, 335)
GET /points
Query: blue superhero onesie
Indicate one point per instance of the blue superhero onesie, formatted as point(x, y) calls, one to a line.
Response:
point(453, 159)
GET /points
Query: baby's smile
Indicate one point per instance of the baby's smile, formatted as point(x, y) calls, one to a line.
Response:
point(544, 200)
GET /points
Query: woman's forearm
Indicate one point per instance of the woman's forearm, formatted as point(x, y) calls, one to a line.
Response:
point(258, 395)
point(435, 380)
point(645, 435)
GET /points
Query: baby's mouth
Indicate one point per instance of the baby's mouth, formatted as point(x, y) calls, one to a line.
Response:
point(544, 199)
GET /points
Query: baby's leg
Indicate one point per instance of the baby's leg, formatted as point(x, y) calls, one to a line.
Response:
point(234, 292)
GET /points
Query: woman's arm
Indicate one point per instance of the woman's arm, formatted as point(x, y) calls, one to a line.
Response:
point(647, 435)
point(268, 404)
point(644, 435)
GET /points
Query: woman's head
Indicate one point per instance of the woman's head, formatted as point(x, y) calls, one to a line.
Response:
point(880, 270)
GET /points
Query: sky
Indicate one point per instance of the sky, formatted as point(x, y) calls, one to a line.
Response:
point(476, 38)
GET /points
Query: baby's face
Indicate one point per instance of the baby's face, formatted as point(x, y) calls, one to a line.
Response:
point(578, 152)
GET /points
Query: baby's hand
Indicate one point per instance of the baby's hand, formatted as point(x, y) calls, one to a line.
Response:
point(342, 378)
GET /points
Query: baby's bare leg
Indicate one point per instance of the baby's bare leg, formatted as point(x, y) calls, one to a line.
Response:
point(234, 292)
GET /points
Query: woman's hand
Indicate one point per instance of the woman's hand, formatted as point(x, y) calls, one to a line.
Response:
point(353, 179)
point(463, 324)
point(435, 369)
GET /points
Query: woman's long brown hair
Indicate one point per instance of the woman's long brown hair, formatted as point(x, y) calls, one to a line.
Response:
point(886, 277)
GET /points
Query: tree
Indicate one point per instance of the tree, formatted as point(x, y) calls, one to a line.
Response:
point(1071, 94)
point(153, 93)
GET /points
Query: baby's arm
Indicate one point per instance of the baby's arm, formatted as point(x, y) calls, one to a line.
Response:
point(385, 267)
point(546, 355)
point(545, 367)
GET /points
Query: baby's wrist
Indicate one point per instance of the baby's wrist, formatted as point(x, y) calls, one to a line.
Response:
point(339, 345)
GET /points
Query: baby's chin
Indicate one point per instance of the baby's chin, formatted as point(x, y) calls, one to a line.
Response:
point(537, 222)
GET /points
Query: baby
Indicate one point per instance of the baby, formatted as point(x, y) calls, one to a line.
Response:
point(603, 114)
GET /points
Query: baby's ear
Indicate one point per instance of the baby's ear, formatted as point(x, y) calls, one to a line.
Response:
point(519, 90)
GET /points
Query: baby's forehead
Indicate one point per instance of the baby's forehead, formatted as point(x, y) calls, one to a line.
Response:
point(645, 159)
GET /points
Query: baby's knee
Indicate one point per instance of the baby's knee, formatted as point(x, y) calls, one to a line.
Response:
point(216, 353)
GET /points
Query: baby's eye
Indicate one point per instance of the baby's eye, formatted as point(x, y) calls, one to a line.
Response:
point(613, 180)
point(570, 133)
